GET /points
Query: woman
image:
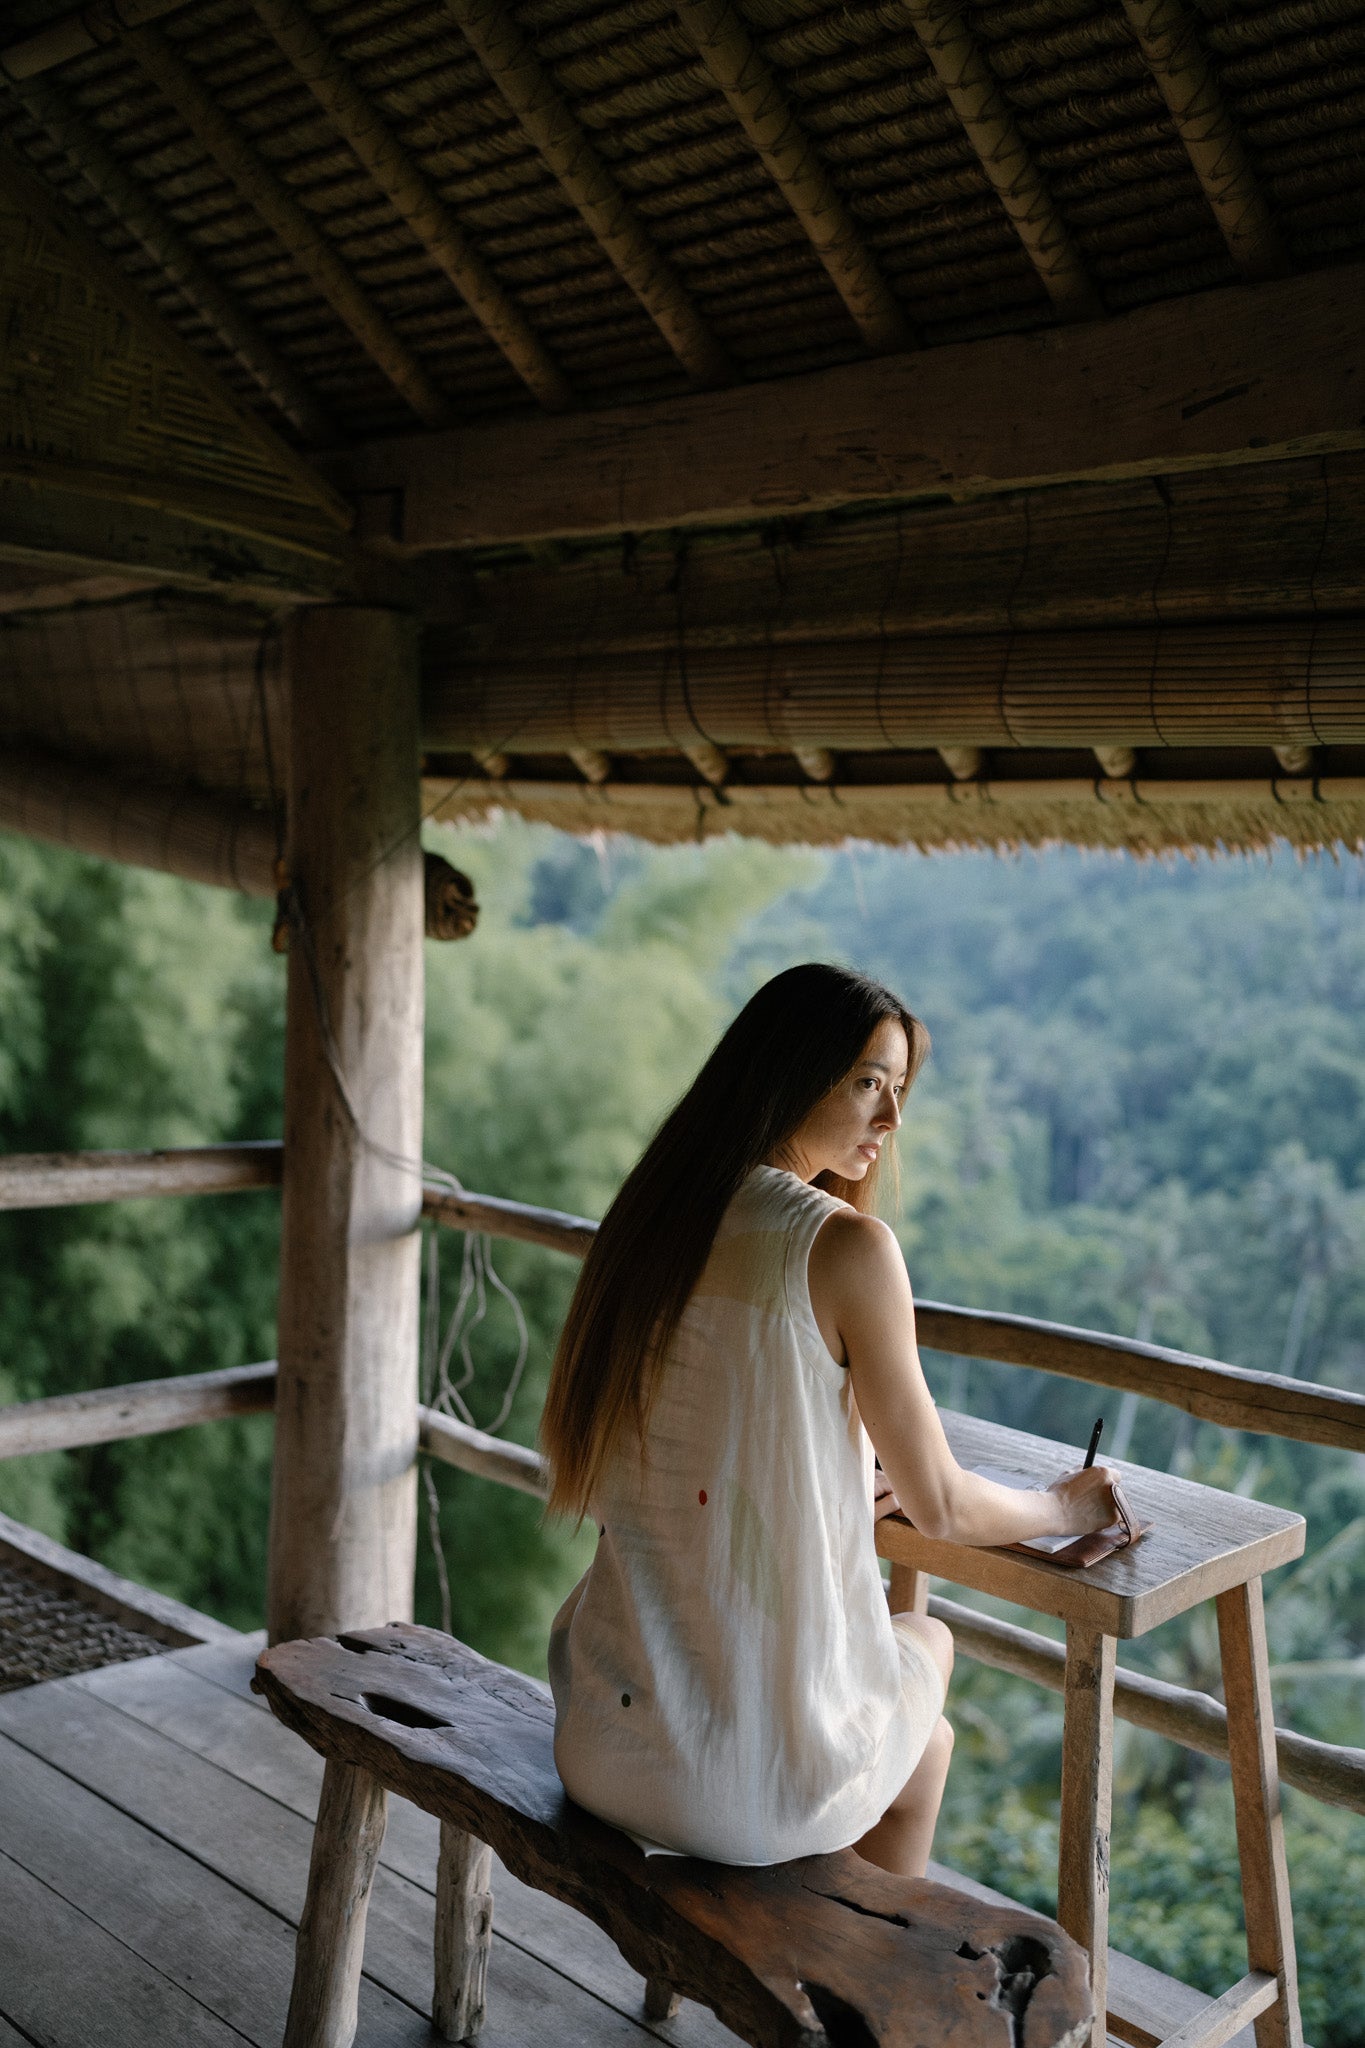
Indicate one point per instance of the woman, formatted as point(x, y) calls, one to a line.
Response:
point(728, 1682)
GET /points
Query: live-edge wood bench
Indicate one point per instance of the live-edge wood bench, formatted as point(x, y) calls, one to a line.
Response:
point(827, 1952)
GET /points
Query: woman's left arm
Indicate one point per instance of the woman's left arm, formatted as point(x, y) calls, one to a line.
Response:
point(858, 1279)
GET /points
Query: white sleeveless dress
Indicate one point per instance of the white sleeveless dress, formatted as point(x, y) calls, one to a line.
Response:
point(727, 1679)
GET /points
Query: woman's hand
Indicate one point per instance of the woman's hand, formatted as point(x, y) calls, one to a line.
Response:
point(884, 1501)
point(1086, 1500)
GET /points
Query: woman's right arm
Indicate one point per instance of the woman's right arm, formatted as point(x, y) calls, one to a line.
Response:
point(859, 1286)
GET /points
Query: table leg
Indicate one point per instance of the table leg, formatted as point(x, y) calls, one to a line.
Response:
point(1087, 1797)
point(1260, 1823)
point(909, 1590)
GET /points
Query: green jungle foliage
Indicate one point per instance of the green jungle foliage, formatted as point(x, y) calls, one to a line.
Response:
point(1145, 1113)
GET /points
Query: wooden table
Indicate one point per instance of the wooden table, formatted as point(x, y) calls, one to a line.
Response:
point(1205, 1545)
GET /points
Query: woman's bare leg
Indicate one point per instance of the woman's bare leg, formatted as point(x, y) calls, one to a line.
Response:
point(903, 1837)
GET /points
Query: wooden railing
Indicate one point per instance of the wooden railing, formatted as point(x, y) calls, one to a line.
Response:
point(1236, 1398)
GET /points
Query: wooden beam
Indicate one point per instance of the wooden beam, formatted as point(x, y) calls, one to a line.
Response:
point(1267, 540)
point(220, 136)
point(991, 129)
point(107, 1415)
point(177, 831)
point(400, 177)
point(64, 1180)
point(343, 1515)
point(760, 105)
point(1168, 37)
point(563, 144)
point(137, 211)
point(72, 520)
point(1245, 374)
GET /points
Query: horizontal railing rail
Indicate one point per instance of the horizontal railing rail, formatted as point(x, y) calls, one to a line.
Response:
point(107, 1415)
point(1235, 1397)
point(62, 1180)
point(1229, 1395)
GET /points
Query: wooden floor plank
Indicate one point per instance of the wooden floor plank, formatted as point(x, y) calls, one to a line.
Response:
point(227, 1664)
point(10, 2037)
point(68, 1984)
point(189, 1924)
point(226, 1726)
point(262, 1847)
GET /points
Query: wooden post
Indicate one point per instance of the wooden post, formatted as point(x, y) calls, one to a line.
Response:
point(1087, 1798)
point(1260, 1823)
point(464, 1932)
point(343, 1510)
point(331, 1945)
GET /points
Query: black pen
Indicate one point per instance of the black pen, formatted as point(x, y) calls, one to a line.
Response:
point(1094, 1445)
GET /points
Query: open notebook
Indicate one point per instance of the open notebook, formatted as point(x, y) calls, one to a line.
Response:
point(1072, 1550)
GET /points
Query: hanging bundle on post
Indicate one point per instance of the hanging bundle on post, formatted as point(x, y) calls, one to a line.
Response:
point(451, 912)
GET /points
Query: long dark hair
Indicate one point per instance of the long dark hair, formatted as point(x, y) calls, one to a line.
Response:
point(792, 1043)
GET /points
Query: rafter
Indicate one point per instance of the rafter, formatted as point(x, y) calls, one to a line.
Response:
point(725, 46)
point(239, 161)
point(411, 194)
point(555, 131)
point(137, 212)
point(991, 129)
point(1171, 49)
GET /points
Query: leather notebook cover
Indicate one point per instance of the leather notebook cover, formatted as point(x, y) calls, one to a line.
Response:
point(1076, 1551)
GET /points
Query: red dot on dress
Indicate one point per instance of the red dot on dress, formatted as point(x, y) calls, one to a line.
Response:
point(702, 1498)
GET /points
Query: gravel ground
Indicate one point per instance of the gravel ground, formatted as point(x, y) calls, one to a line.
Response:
point(46, 1634)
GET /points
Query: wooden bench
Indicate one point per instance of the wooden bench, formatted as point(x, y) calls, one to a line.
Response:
point(827, 1952)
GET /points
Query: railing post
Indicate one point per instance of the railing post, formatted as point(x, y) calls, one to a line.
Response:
point(343, 1510)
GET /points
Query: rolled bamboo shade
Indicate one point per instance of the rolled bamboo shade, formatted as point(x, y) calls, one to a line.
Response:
point(180, 831)
point(1259, 684)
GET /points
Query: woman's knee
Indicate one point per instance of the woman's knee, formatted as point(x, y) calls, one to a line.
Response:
point(939, 1747)
point(926, 1780)
point(936, 1637)
point(944, 1648)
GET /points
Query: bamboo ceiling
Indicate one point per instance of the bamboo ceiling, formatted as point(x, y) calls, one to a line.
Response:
point(369, 218)
point(408, 211)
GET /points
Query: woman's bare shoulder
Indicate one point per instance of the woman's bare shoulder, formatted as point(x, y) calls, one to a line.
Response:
point(851, 1249)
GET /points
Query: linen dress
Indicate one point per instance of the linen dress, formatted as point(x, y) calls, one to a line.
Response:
point(726, 1676)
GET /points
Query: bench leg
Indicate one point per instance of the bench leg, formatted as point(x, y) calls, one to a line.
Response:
point(1256, 1795)
point(331, 1941)
point(661, 2000)
point(1087, 1799)
point(464, 1930)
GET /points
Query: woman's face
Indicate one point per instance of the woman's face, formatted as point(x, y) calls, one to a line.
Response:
point(844, 1133)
